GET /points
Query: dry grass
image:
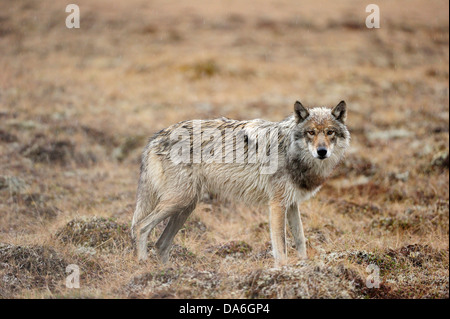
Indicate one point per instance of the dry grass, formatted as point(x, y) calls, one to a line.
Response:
point(76, 107)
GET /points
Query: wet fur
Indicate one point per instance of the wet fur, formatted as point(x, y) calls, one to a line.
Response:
point(168, 190)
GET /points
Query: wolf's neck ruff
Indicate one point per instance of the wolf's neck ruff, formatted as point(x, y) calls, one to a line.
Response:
point(304, 175)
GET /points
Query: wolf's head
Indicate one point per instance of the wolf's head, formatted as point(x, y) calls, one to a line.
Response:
point(321, 131)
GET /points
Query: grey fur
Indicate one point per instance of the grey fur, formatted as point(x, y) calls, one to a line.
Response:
point(171, 190)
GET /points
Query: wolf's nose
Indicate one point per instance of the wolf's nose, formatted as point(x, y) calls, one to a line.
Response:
point(322, 152)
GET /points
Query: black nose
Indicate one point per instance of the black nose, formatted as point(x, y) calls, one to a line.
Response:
point(322, 152)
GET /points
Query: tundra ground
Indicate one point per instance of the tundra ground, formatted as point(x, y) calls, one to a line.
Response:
point(77, 106)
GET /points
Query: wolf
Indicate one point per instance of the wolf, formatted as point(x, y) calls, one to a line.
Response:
point(280, 164)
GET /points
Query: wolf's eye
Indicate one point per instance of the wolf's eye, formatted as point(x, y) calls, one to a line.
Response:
point(330, 132)
point(311, 133)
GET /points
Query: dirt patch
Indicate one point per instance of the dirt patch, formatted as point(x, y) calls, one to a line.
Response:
point(193, 226)
point(60, 151)
point(440, 161)
point(317, 235)
point(419, 254)
point(392, 259)
point(36, 205)
point(354, 209)
point(50, 152)
point(23, 267)
point(179, 253)
point(99, 137)
point(174, 283)
point(355, 165)
point(99, 233)
point(235, 249)
point(417, 219)
point(264, 253)
point(411, 271)
point(369, 190)
point(128, 145)
point(260, 229)
point(7, 137)
point(306, 280)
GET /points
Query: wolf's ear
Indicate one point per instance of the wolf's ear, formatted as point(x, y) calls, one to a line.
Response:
point(340, 112)
point(300, 112)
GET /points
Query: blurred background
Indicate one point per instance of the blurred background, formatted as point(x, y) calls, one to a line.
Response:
point(78, 105)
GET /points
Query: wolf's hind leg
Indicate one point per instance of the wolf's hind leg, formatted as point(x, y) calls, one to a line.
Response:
point(163, 210)
point(141, 210)
point(295, 222)
point(147, 199)
point(175, 223)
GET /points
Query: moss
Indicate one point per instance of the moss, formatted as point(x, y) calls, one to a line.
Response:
point(417, 219)
point(99, 233)
point(310, 279)
point(384, 261)
point(170, 282)
point(233, 248)
point(28, 267)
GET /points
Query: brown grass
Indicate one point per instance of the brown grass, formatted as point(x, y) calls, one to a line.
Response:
point(76, 108)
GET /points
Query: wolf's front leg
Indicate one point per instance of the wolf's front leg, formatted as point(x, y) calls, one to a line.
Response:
point(278, 231)
point(295, 222)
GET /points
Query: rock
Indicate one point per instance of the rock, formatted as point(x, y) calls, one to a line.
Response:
point(13, 184)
